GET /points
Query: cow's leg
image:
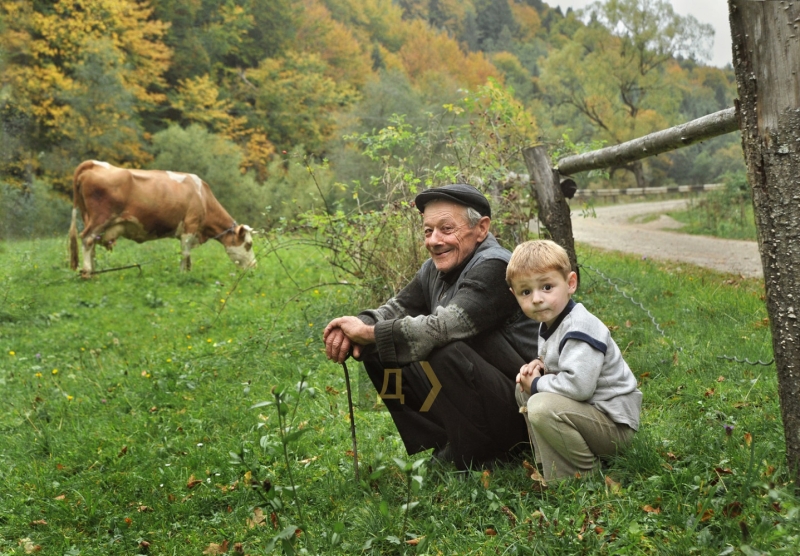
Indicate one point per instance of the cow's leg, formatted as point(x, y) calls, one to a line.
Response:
point(188, 241)
point(88, 256)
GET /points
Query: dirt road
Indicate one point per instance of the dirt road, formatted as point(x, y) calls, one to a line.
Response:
point(616, 229)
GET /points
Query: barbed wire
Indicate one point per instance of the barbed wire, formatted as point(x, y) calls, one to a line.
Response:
point(655, 323)
point(628, 297)
point(746, 360)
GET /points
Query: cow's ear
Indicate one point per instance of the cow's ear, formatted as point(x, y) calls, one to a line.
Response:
point(242, 230)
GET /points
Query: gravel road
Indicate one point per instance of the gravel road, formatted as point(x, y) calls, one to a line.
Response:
point(616, 229)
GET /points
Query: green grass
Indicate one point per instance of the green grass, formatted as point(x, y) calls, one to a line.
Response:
point(727, 214)
point(122, 392)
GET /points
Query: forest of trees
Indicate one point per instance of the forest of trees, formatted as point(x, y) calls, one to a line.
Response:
point(239, 91)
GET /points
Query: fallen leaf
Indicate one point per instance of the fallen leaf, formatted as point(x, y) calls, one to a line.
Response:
point(675, 358)
point(273, 517)
point(721, 379)
point(257, 519)
point(539, 484)
point(614, 486)
point(723, 471)
point(144, 547)
point(214, 548)
point(490, 532)
point(734, 509)
point(309, 460)
point(144, 509)
point(153, 409)
point(349, 453)
point(748, 438)
point(650, 509)
point(238, 548)
point(28, 546)
point(122, 451)
point(37, 523)
point(128, 521)
point(331, 390)
point(414, 542)
point(644, 375)
point(60, 497)
point(192, 482)
point(485, 478)
point(709, 392)
point(599, 530)
point(670, 455)
point(708, 514)
point(770, 470)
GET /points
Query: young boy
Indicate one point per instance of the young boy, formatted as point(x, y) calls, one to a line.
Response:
point(581, 396)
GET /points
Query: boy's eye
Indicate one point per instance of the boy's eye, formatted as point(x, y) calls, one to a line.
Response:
point(428, 232)
point(547, 287)
point(525, 293)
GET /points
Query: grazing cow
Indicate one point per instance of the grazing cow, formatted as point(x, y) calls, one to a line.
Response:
point(150, 204)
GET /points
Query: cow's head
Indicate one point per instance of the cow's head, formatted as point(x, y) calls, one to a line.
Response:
point(239, 246)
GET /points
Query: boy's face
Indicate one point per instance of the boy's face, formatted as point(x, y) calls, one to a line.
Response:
point(542, 296)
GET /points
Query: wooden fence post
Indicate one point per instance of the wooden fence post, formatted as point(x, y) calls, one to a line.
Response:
point(553, 207)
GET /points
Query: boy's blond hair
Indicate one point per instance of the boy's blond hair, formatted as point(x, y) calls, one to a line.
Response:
point(537, 257)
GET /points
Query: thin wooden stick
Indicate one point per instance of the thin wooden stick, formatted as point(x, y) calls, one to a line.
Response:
point(352, 419)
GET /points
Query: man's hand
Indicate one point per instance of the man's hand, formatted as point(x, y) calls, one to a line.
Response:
point(345, 333)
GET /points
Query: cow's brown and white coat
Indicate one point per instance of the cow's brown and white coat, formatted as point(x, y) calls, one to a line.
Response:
point(143, 205)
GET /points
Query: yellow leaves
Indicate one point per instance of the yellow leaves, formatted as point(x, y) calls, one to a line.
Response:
point(427, 51)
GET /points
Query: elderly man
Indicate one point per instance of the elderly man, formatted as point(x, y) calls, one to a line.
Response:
point(456, 324)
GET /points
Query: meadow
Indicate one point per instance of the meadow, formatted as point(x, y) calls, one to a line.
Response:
point(147, 411)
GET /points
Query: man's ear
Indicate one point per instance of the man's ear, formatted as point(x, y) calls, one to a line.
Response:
point(483, 227)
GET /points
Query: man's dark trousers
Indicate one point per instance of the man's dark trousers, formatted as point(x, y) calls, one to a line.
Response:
point(475, 411)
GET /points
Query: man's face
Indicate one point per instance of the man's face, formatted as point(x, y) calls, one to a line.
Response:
point(448, 237)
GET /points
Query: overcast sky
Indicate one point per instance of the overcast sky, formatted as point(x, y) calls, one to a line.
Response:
point(714, 12)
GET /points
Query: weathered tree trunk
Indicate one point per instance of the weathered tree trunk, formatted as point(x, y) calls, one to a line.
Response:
point(766, 58)
point(638, 172)
point(553, 207)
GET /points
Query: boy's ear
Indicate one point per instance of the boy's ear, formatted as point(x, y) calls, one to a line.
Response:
point(572, 282)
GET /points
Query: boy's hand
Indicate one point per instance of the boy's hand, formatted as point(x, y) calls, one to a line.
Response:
point(534, 369)
point(527, 373)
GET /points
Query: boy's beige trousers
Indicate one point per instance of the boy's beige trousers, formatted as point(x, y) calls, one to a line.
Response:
point(569, 436)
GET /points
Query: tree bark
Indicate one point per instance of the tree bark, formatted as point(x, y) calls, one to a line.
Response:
point(553, 207)
point(718, 123)
point(766, 59)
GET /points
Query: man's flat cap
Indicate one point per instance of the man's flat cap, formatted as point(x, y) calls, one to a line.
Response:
point(460, 193)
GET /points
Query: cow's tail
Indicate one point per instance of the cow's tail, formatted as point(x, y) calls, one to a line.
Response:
point(73, 240)
point(76, 205)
